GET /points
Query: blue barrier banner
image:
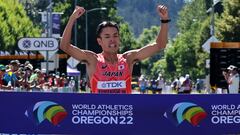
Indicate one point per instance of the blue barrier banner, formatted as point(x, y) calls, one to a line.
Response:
point(119, 114)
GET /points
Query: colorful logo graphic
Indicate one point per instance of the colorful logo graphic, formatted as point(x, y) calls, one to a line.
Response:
point(186, 111)
point(46, 110)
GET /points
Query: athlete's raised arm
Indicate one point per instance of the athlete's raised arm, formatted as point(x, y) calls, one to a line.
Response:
point(66, 46)
point(161, 40)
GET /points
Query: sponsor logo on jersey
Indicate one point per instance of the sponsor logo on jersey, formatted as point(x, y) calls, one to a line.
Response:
point(111, 84)
point(104, 66)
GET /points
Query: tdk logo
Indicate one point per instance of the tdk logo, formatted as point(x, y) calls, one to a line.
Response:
point(36, 44)
point(111, 85)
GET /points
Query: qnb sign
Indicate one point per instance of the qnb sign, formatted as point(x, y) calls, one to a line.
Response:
point(38, 44)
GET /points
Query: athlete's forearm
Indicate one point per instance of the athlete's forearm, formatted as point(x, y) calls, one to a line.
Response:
point(162, 36)
point(66, 37)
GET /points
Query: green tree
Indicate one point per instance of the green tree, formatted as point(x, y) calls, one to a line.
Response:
point(184, 55)
point(14, 24)
point(228, 24)
point(149, 36)
point(127, 38)
point(33, 7)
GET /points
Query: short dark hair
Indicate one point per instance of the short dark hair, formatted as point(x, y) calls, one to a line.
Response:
point(105, 24)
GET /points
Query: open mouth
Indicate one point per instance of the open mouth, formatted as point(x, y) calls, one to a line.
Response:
point(112, 45)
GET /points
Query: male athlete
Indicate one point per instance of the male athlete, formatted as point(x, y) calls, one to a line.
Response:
point(110, 72)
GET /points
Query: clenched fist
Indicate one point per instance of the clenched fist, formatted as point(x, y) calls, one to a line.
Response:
point(163, 12)
point(79, 11)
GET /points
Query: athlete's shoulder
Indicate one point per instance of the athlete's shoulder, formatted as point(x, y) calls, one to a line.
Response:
point(131, 56)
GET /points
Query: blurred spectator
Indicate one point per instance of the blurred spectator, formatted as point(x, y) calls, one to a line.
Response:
point(199, 85)
point(26, 79)
point(35, 80)
point(83, 84)
point(51, 80)
point(153, 86)
point(10, 78)
point(63, 80)
point(26, 63)
point(14, 65)
point(142, 82)
point(186, 86)
point(55, 82)
point(72, 84)
point(232, 78)
point(160, 84)
point(176, 84)
point(2, 72)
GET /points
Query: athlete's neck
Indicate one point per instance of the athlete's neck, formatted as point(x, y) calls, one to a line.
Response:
point(110, 58)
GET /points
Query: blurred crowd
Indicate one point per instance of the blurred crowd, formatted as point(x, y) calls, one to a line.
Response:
point(17, 76)
point(180, 85)
point(24, 77)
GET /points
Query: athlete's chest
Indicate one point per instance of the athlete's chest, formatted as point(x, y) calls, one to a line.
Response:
point(119, 69)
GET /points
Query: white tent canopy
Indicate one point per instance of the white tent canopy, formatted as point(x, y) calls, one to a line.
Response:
point(73, 71)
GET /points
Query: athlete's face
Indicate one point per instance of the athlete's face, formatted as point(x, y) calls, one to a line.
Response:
point(109, 40)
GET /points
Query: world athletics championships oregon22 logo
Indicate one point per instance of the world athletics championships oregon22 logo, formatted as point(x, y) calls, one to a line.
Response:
point(186, 111)
point(49, 110)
